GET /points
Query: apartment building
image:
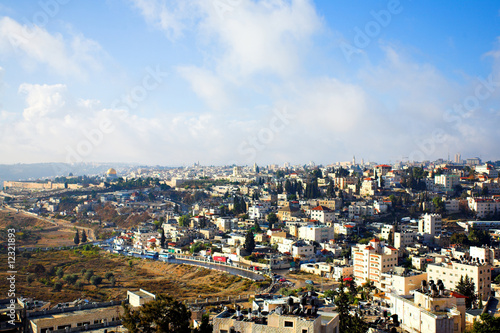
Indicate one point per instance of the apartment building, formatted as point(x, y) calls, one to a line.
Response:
point(361, 209)
point(430, 311)
point(257, 212)
point(450, 273)
point(430, 224)
point(322, 214)
point(446, 182)
point(302, 250)
point(485, 253)
point(332, 204)
point(483, 207)
point(402, 282)
point(368, 187)
point(487, 169)
point(320, 234)
point(78, 318)
point(405, 238)
point(371, 260)
point(290, 318)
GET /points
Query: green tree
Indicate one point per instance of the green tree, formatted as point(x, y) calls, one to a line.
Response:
point(367, 288)
point(57, 286)
point(459, 239)
point(438, 204)
point(466, 287)
point(487, 324)
point(84, 237)
point(164, 314)
point(347, 322)
point(272, 219)
point(79, 285)
point(71, 278)
point(390, 239)
point(478, 237)
point(205, 326)
point(162, 239)
point(88, 275)
point(257, 227)
point(76, 240)
point(184, 221)
point(249, 242)
point(60, 273)
point(108, 275)
point(96, 280)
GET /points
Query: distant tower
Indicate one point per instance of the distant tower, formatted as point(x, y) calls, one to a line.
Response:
point(255, 168)
point(458, 158)
point(353, 160)
point(236, 171)
point(362, 161)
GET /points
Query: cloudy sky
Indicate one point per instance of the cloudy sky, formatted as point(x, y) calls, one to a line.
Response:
point(173, 82)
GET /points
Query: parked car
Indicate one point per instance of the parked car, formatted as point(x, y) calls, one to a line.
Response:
point(309, 282)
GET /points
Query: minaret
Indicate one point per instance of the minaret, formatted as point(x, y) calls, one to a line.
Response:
point(353, 160)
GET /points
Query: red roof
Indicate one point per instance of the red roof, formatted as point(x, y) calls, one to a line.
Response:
point(369, 247)
point(349, 226)
point(321, 208)
point(392, 248)
point(383, 166)
point(376, 240)
point(457, 295)
point(152, 240)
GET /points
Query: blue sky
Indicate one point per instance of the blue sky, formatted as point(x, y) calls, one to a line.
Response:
point(241, 81)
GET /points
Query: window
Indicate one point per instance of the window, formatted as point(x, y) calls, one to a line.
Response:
point(288, 323)
point(304, 331)
point(223, 331)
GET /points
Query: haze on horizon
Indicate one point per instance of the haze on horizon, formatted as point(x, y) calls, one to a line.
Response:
point(173, 82)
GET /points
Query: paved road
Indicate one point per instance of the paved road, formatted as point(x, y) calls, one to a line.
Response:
point(219, 267)
point(210, 265)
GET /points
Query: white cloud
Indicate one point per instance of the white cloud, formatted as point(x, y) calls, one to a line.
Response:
point(166, 16)
point(35, 45)
point(207, 86)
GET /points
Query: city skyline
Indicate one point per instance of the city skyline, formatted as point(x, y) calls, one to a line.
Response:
point(237, 81)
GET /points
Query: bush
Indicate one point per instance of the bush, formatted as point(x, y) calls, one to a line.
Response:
point(112, 280)
point(79, 285)
point(60, 273)
point(57, 286)
point(96, 280)
point(88, 275)
point(71, 279)
point(108, 275)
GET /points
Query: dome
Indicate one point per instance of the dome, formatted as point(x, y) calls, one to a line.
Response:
point(111, 172)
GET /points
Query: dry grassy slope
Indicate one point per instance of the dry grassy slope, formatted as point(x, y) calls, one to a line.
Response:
point(180, 281)
point(32, 231)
